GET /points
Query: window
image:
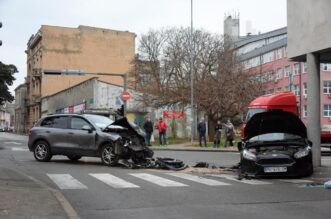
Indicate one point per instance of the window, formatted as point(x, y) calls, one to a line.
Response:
point(327, 87)
point(305, 88)
point(287, 71)
point(305, 67)
point(285, 51)
point(296, 90)
point(268, 57)
point(279, 74)
point(305, 114)
point(286, 88)
point(55, 122)
point(78, 123)
point(327, 110)
point(279, 53)
point(271, 76)
point(279, 89)
point(326, 67)
point(296, 68)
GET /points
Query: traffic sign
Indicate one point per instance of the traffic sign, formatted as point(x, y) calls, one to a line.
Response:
point(125, 96)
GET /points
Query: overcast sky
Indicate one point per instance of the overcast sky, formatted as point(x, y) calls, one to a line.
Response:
point(22, 18)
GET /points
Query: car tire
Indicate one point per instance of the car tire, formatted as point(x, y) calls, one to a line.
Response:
point(42, 151)
point(107, 155)
point(74, 157)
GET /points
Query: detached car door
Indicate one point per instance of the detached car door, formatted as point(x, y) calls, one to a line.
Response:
point(79, 139)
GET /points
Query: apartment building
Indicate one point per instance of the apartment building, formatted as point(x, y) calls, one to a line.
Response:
point(20, 109)
point(265, 57)
point(86, 49)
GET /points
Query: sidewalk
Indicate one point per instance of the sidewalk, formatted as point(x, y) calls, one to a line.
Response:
point(189, 147)
point(24, 197)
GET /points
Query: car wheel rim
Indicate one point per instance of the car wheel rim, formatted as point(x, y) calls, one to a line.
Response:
point(41, 151)
point(108, 155)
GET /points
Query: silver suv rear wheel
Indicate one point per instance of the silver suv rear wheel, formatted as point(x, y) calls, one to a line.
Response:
point(42, 151)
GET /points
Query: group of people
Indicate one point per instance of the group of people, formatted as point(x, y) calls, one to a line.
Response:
point(229, 132)
point(161, 126)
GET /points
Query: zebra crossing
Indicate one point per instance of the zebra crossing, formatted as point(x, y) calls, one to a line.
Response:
point(68, 182)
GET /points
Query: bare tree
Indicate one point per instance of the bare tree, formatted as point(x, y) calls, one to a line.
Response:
point(162, 72)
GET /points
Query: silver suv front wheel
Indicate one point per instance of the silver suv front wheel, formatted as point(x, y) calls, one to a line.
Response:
point(108, 156)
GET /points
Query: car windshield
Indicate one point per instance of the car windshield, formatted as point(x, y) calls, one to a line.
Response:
point(274, 137)
point(99, 121)
point(251, 112)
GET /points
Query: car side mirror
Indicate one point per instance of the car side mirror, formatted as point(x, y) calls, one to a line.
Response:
point(240, 146)
point(87, 128)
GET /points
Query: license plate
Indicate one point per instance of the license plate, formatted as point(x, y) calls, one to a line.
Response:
point(275, 169)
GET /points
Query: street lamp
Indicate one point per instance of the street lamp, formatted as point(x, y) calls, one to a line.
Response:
point(192, 77)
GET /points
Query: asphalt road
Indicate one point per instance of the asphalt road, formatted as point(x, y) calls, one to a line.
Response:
point(164, 194)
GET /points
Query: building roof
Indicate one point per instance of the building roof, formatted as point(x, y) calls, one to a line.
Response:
point(253, 38)
point(264, 49)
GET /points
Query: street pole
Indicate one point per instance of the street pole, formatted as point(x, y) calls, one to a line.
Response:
point(125, 88)
point(192, 77)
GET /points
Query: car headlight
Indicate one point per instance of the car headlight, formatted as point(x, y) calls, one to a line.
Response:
point(249, 155)
point(302, 152)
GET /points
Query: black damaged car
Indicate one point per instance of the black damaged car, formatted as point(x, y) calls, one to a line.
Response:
point(275, 144)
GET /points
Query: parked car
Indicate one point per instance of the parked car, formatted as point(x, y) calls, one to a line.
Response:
point(275, 144)
point(77, 135)
point(2, 128)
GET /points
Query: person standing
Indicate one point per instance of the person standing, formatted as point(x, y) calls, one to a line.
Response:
point(202, 132)
point(218, 132)
point(229, 133)
point(148, 126)
point(162, 127)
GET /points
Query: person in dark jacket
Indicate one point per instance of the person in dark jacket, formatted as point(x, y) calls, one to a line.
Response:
point(202, 132)
point(218, 132)
point(148, 126)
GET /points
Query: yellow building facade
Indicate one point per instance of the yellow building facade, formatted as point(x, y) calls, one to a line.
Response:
point(87, 49)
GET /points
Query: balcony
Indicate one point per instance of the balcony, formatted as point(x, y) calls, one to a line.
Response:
point(36, 98)
point(36, 73)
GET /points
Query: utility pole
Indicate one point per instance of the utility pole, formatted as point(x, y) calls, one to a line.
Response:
point(192, 77)
point(0, 27)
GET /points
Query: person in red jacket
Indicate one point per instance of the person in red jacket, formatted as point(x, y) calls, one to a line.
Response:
point(162, 127)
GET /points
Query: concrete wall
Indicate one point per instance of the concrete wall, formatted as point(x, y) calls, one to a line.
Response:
point(69, 97)
point(309, 25)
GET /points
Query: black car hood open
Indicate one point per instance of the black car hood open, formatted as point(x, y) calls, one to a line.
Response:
point(275, 122)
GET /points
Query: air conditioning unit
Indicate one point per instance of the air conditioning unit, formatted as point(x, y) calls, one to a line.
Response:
point(329, 95)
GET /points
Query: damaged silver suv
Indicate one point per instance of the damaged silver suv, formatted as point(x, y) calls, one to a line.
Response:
point(77, 135)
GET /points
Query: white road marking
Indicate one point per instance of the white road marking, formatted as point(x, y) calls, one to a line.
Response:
point(13, 142)
point(19, 149)
point(296, 180)
point(113, 181)
point(234, 178)
point(66, 181)
point(198, 179)
point(157, 180)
